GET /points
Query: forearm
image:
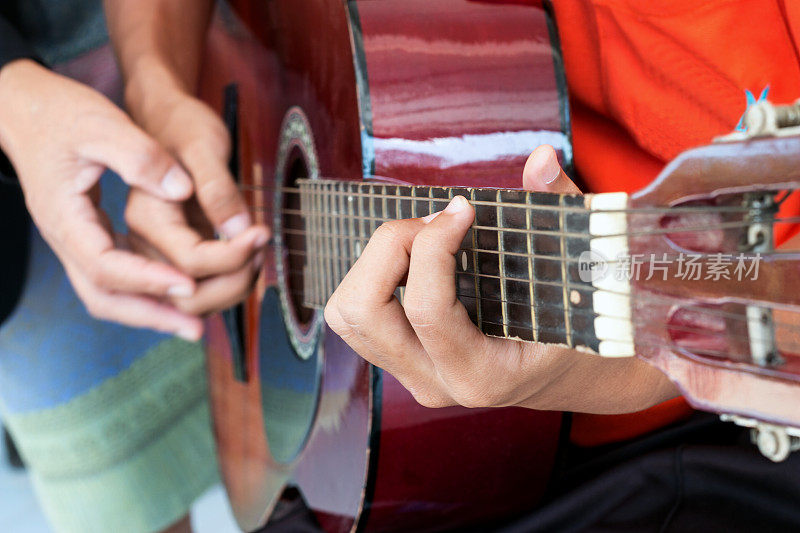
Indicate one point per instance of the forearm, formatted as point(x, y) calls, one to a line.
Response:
point(159, 44)
point(592, 384)
point(13, 49)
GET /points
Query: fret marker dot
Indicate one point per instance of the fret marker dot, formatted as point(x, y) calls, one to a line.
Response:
point(358, 248)
point(575, 297)
point(350, 199)
point(464, 263)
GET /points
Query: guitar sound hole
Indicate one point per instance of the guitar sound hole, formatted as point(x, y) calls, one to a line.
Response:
point(294, 237)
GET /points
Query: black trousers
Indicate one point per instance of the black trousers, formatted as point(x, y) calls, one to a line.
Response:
point(701, 475)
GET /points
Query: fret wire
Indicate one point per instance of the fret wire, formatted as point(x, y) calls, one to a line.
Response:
point(337, 227)
point(309, 277)
point(361, 221)
point(304, 199)
point(316, 244)
point(323, 271)
point(343, 222)
point(372, 210)
point(320, 273)
point(343, 268)
point(414, 202)
point(358, 224)
point(399, 214)
point(398, 204)
point(531, 272)
point(564, 278)
point(478, 305)
point(326, 221)
point(333, 263)
point(351, 211)
point(308, 274)
point(384, 204)
point(501, 261)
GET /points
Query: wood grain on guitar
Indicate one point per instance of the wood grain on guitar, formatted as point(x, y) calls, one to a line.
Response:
point(443, 98)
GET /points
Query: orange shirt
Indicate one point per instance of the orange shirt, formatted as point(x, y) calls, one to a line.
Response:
point(651, 78)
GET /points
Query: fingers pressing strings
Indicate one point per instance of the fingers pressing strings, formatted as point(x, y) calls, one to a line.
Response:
point(374, 323)
point(439, 319)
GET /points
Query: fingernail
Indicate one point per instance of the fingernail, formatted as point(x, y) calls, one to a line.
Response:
point(235, 225)
point(176, 183)
point(258, 261)
point(181, 291)
point(188, 334)
point(550, 167)
point(261, 240)
point(427, 219)
point(456, 205)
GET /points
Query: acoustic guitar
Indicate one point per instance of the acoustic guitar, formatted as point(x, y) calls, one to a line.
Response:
point(345, 114)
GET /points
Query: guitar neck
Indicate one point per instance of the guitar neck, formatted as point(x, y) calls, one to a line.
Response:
point(517, 269)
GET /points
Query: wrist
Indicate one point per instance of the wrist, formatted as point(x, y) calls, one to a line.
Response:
point(592, 384)
point(18, 81)
point(152, 87)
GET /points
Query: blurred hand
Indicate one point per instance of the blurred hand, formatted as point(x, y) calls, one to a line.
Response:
point(61, 136)
point(184, 235)
point(430, 345)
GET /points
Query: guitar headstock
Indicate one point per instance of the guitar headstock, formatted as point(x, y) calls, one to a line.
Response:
point(715, 304)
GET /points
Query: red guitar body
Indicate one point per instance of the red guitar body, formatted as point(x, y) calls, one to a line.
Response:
point(446, 92)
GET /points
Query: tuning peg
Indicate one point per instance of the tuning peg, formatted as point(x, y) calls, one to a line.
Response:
point(764, 118)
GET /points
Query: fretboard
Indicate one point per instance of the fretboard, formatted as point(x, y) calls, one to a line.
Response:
point(516, 269)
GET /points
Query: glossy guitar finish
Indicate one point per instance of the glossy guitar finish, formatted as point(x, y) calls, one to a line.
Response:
point(446, 92)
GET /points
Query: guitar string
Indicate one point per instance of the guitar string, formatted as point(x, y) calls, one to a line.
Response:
point(542, 207)
point(559, 308)
point(584, 311)
point(725, 357)
point(781, 326)
point(783, 345)
point(344, 261)
point(788, 327)
point(560, 258)
point(352, 218)
point(785, 348)
point(347, 261)
point(558, 233)
point(551, 233)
